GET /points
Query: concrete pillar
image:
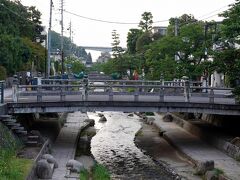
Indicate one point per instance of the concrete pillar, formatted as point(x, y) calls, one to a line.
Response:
point(110, 94)
point(136, 94)
point(62, 95)
point(161, 95)
point(15, 89)
point(39, 93)
point(186, 89)
point(211, 96)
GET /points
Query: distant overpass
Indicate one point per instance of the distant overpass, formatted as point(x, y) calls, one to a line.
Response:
point(99, 48)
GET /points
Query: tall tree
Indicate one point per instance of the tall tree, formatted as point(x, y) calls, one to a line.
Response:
point(116, 48)
point(132, 38)
point(146, 21)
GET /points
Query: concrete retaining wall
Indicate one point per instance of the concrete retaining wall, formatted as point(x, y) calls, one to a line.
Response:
point(223, 145)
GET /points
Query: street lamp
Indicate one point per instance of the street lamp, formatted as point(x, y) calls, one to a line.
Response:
point(44, 35)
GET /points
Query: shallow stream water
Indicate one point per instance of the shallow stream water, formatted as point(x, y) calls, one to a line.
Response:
point(114, 147)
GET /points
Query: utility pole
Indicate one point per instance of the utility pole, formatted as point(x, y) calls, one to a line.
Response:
point(62, 56)
point(49, 40)
point(176, 27)
point(176, 34)
point(70, 33)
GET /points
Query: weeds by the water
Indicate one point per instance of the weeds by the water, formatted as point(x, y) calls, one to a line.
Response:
point(84, 175)
point(99, 172)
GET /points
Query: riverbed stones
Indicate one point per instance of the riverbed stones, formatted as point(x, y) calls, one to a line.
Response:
point(130, 115)
point(168, 118)
point(100, 115)
point(211, 175)
point(87, 161)
point(103, 119)
point(203, 167)
point(43, 169)
point(91, 122)
point(50, 159)
point(74, 166)
point(150, 120)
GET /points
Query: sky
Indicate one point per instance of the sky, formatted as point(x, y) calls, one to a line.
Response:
point(92, 33)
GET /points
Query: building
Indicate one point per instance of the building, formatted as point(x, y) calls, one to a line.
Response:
point(105, 56)
point(162, 30)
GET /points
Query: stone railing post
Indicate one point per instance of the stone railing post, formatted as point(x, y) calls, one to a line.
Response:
point(110, 93)
point(85, 88)
point(186, 89)
point(15, 89)
point(211, 96)
point(136, 94)
point(161, 94)
point(62, 94)
point(39, 93)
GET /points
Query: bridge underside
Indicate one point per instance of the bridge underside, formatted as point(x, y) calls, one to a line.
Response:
point(90, 106)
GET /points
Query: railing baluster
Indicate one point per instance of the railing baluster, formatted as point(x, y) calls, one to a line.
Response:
point(211, 96)
point(136, 94)
point(161, 94)
point(110, 93)
point(62, 94)
point(39, 93)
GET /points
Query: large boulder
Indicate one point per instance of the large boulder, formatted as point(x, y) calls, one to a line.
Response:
point(50, 159)
point(203, 167)
point(168, 118)
point(74, 166)
point(150, 120)
point(211, 175)
point(103, 119)
point(43, 169)
point(90, 121)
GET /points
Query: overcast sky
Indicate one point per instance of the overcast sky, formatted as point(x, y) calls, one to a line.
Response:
point(92, 33)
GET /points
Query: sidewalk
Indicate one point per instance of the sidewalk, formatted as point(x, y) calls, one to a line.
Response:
point(196, 150)
point(65, 146)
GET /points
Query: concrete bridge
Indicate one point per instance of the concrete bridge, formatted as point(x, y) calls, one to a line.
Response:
point(128, 96)
point(99, 48)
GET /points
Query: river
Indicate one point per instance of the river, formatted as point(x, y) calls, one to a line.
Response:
point(114, 147)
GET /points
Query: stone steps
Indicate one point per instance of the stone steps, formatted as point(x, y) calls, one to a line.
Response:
point(31, 143)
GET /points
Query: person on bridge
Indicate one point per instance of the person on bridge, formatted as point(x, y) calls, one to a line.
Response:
point(135, 75)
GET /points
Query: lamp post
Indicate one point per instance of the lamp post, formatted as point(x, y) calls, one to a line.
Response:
point(49, 40)
point(44, 35)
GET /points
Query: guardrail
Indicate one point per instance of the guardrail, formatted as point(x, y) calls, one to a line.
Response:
point(2, 91)
point(64, 88)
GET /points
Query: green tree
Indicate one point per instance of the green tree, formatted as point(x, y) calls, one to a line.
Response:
point(227, 57)
point(146, 21)
point(116, 48)
point(132, 38)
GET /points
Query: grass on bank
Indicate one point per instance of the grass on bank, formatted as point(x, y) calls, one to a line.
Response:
point(11, 167)
point(99, 172)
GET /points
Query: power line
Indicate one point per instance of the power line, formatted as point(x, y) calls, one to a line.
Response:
point(106, 21)
point(213, 12)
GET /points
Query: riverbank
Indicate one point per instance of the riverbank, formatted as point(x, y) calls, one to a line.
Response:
point(196, 150)
point(149, 141)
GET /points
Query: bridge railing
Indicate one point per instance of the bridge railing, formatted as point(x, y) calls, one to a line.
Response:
point(2, 91)
point(49, 90)
point(139, 90)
